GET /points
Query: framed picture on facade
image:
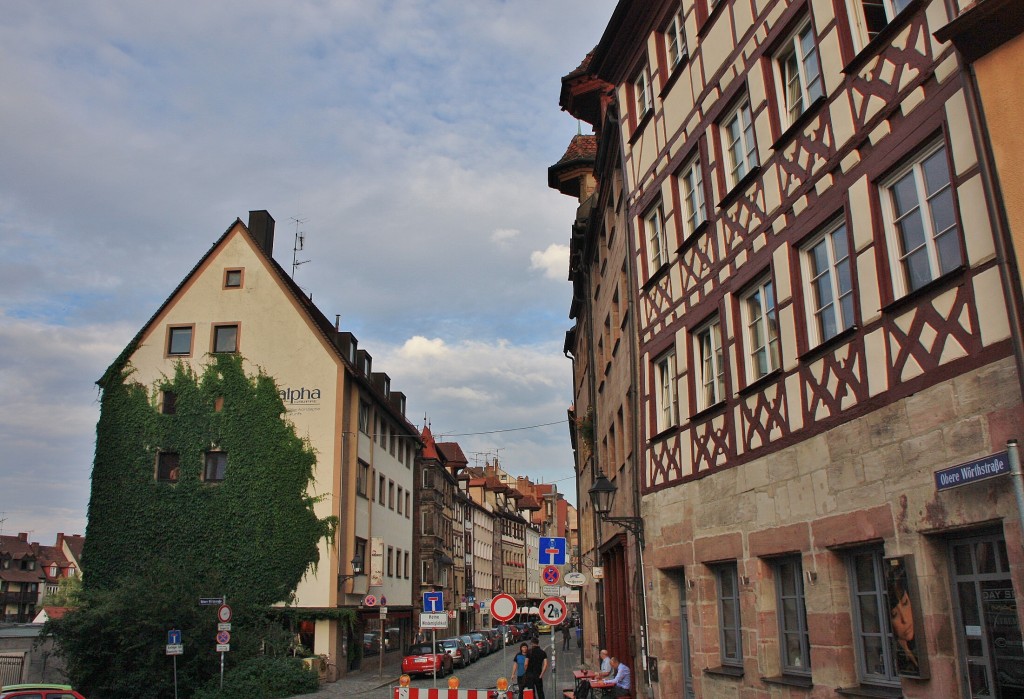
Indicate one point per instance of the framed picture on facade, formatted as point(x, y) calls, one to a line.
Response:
point(905, 618)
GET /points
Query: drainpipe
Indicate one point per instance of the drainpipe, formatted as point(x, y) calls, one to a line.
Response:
point(1013, 453)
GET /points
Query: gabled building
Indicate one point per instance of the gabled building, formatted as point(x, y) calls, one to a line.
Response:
point(29, 571)
point(435, 526)
point(813, 279)
point(238, 299)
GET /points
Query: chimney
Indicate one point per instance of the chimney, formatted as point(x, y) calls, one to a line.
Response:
point(261, 226)
point(60, 540)
point(23, 536)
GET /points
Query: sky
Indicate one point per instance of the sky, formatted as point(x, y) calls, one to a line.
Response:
point(408, 140)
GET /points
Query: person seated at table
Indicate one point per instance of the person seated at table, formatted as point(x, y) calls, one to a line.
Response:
point(606, 665)
point(621, 678)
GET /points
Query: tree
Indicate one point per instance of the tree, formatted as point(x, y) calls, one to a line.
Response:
point(154, 546)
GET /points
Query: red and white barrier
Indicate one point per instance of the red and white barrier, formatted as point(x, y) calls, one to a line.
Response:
point(434, 693)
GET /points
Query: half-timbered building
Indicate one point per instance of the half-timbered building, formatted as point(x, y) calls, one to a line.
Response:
point(826, 384)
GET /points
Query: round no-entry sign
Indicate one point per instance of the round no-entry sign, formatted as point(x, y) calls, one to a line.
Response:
point(224, 614)
point(503, 607)
point(553, 610)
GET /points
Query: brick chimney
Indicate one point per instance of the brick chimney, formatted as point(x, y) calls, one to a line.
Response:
point(23, 536)
point(261, 226)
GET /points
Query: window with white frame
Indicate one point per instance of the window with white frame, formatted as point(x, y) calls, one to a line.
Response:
point(737, 129)
point(364, 417)
point(642, 98)
point(829, 283)
point(675, 40)
point(667, 398)
point(870, 17)
point(870, 607)
point(691, 186)
point(920, 221)
point(657, 239)
point(730, 632)
point(794, 640)
point(710, 364)
point(762, 325)
point(800, 72)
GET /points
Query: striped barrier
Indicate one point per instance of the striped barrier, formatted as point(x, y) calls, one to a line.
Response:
point(434, 693)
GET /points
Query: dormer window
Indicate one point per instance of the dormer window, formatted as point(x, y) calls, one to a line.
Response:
point(54, 570)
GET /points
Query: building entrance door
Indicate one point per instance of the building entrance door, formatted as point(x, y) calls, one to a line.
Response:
point(684, 634)
point(992, 656)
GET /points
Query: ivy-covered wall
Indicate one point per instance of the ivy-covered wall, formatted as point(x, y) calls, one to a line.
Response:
point(255, 532)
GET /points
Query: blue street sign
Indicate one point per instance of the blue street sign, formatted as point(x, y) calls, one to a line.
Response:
point(433, 601)
point(552, 550)
point(174, 637)
point(972, 471)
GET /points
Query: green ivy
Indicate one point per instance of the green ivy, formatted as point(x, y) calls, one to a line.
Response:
point(250, 537)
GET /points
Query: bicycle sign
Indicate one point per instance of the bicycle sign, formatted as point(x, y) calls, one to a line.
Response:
point(553, 611)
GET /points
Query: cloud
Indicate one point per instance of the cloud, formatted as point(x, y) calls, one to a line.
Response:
point(553, 261)
point(503, 236)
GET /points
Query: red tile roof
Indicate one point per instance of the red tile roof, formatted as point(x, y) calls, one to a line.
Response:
point(582, 148)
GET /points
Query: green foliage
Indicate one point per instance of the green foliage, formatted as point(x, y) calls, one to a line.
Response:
point(68, 594)
point(153, 548)
point(263, 678)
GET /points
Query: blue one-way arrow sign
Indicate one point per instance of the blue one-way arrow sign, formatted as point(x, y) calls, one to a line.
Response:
point(433, 601)
point(552, 550)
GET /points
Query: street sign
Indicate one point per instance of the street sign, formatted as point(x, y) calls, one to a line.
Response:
point(597, 572)
point(224, 613)
point(433, 601)
point(383, 612)
point(973, 471)
point(370, 601)
point(552, 550)
point(550, 575)
point(223, 637)
point(223, 647)
point(175, 649)
point(224, 626)
point(550, 590)
point(503, 607)
point(433, 620)
point(211, 601)
point(575, 579)
point(553, 610)
point(452, 613)
point(174, 637)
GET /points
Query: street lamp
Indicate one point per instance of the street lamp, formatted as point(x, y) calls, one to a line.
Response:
point(357, 570)
point(602, 496)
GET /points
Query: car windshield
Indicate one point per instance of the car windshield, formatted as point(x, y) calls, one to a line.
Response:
point(449, 643)
point(467, 639)
point(420, 649)
point(477, 636)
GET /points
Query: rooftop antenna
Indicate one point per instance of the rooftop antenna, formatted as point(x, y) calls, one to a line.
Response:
point(300, 240)
point(2, 520)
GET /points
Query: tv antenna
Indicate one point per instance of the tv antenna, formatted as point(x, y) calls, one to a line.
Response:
point(300, 241)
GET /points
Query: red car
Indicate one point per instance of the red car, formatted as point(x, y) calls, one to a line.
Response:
point(39, 691)
point(421, 659)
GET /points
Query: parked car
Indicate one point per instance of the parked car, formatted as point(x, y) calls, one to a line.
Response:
point(497, 637)
point(474, 652)
point(39, 691)
point(543, 628)
point(510, 632)
point(456, 648)
point(526, 630)
point(481, 643)
point(424, 659)
point(492, 643)
point(371, 643)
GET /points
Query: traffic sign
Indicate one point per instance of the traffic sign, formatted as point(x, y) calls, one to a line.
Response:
point(433, 601)
point(223, 637)
point(370, 601)
point(175, 649)
point(211, 601)
point(224, 613)
point(553, 610)
point(552, 550)
point(550, 575)
point(433, 620)
point(223, 647)
point(551, 590)
point(224, 626)
point(503, 607)
point(174, 637)
point(575, 579)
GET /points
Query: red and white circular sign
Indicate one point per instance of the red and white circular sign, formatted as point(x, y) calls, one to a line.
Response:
point(550, 575)
point(370, 601)
point(553, 610)
point(503, 607)
point(224, 614)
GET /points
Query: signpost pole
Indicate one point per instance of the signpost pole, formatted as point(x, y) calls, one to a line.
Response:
point(380, 656)
point(433, 651)
point(175, 676)
point(225, 601)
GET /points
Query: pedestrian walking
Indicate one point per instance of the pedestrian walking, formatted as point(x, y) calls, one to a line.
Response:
point(536, 668)
point(565, 636)
point(519, 665)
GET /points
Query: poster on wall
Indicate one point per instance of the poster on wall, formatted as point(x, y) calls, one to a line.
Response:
point(909, 651)
point(376, 561)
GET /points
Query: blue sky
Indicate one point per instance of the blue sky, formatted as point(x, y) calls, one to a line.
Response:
point(411, 137)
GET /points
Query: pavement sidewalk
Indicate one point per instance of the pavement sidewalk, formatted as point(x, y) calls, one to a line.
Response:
point(369, 678)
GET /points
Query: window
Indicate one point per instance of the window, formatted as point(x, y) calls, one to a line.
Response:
point(360, 552)
point(364, 417)
point(216, 466)
point(794, 642)
point(691, 185)
point(657, 241)
point(871, 631)
point(872, 16)
point(762, 329)
point(179, 340)
point(738, 137)
point(225, 338)
point(399, 501)
point(232, 278)
point(408, 509)
point(830, 284)
point(642, 94)
point(168, 402)
point(362, 478)
point(675, 40)
point(391, 494)
point(405, 565)
point(381, 482)
point(920, 221)
point(391, 561)
point(800, 72)
point(710, 365)
point(729, 630)
point(668, 403)
point(168, 466)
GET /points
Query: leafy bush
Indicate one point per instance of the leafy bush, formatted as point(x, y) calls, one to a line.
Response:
point(262, 678)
